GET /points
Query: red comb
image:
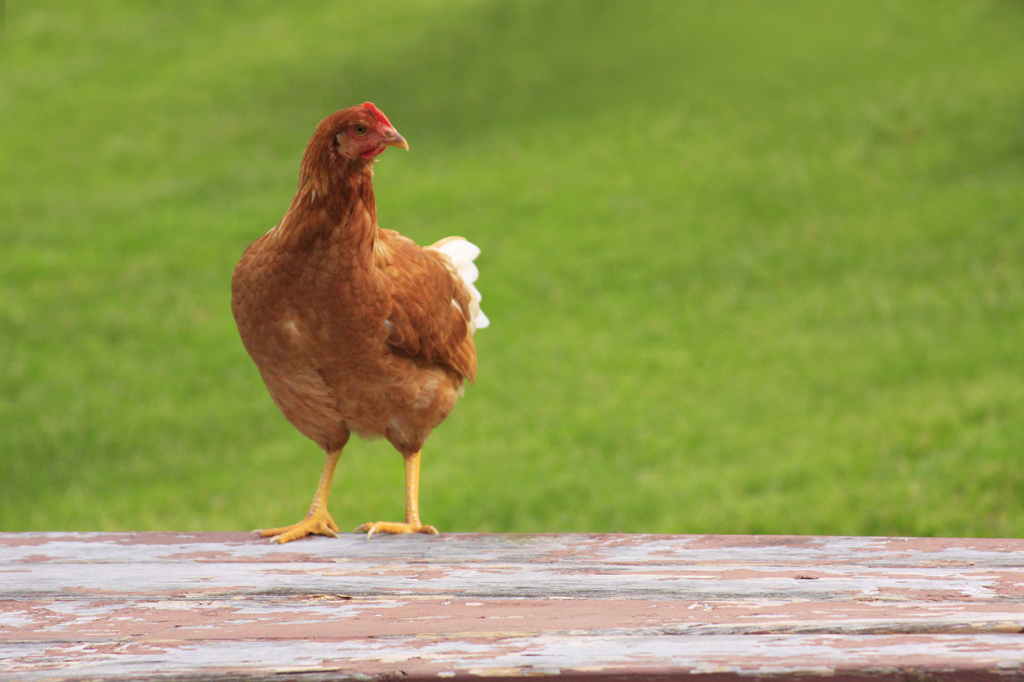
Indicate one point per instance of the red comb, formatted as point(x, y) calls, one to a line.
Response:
point(378, 114)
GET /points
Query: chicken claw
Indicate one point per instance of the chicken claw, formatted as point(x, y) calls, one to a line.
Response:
point(318, 520)
point(371, 528)
point(313, 524)
point(412, 506)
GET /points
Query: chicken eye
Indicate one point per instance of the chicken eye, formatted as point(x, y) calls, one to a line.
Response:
point(360, 129)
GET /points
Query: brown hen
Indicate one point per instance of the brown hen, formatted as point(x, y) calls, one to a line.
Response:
point(355, 328)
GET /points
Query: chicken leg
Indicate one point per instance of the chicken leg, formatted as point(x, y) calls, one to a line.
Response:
point(318, 521)
point(412, 505)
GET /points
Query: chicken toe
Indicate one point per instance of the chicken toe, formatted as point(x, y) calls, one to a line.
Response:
point(313, 524)
point(371, 528)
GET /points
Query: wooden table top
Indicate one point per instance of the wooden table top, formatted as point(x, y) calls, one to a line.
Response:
point(229, 605)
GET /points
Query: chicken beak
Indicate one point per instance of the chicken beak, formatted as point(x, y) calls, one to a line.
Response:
point(393, 139)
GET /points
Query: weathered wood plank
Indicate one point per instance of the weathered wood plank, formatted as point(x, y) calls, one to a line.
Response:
point(203, 605)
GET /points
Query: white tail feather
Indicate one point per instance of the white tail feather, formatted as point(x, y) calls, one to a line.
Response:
point(462, 254)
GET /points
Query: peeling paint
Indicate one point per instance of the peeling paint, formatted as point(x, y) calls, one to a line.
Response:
point(107, 606)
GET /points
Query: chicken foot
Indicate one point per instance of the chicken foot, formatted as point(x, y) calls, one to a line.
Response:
point(318, 520)
point(412, 506)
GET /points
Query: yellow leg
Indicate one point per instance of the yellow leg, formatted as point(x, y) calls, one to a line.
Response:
point(318, 521)
point(412, 506)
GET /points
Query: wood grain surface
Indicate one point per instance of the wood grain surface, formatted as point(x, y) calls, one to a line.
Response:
point(204, 606)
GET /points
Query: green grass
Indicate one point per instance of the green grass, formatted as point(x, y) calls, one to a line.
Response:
point(751, 267)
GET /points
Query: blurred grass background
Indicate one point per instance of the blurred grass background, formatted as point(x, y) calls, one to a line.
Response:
point(751, 267)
